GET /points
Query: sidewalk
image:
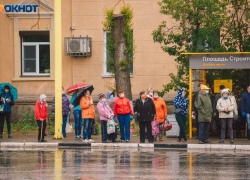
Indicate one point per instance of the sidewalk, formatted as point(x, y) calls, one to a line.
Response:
point(30, 141)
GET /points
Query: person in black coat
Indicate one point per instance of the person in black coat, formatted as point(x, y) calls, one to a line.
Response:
point(145, 111)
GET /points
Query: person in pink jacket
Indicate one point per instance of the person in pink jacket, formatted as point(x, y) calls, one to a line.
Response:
point(105, 113)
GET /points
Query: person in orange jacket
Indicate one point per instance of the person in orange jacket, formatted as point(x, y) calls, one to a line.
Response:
point(124, 113)
point(41, 116)
point(161, 111)
point(88, 115)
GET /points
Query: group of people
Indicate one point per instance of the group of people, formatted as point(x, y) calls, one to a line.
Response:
point(147, 108)
point(225, 111)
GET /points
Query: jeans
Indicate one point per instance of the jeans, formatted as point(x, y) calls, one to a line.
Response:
point(6, 115)
point(78, 122)
point(181, 120)
point(229, 123)
point(142, 125)
point(65, 117)
point(87, 128)
point(40, 124)
point(248, 124)
point(239, 122)
point(124, 121)
point(203, 130)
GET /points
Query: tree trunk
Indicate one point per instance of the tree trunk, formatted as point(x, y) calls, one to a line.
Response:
point(122, 77)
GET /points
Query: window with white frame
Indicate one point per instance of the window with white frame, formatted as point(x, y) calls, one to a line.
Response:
point(35, 55)
point(107, 56)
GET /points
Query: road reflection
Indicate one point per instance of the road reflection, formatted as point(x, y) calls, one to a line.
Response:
point(123, 164)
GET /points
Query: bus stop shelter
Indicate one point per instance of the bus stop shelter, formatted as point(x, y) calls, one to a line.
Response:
point(206, 61)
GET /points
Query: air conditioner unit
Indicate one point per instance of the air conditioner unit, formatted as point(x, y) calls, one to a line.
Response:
point(78, 46)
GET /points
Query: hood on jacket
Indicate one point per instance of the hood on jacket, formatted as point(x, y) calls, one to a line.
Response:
point(180, 92)
point(226, 90)
point(109, 93)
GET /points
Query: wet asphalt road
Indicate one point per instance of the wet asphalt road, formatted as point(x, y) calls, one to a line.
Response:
point(124, 164)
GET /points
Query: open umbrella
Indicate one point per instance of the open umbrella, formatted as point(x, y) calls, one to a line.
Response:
point(111, 102)
point(13, 90)
point(75, 87)
point(81, 94)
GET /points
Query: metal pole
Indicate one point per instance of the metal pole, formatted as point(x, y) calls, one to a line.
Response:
point(204, 79)
point(190, 103)
point(58, 69)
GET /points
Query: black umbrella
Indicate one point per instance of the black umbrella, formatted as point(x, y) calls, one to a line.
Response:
point(81, 94)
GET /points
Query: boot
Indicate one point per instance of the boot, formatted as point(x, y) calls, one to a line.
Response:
point(231, 141)
point(10, 136)
point(221, 141)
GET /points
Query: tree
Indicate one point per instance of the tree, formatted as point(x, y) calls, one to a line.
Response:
point(201, 26)
point(120, 46)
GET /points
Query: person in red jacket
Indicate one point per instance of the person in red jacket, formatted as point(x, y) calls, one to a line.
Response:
point(124, 113)
point(41, 116)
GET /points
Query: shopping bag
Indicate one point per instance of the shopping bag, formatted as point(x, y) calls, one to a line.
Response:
point(1, 108)
point(155, 127)
point(68, 127)
point(110, 126)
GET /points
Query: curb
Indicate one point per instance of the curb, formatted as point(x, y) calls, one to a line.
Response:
point(34, 145)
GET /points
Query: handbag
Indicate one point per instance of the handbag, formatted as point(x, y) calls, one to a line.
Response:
point(93, 130)
point(166, 126)
point(46, 131)
point(178, 110)
point(155, 127)
point(234, 115)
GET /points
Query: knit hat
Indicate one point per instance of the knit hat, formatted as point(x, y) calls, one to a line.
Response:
point(101, 95)
point(120, 91)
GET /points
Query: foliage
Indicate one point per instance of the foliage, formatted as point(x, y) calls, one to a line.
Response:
point(28, 123)
point(128, 33)
point(98, 127)
point(202, 26)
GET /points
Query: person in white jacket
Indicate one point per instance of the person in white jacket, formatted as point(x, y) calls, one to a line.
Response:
point(226, 106)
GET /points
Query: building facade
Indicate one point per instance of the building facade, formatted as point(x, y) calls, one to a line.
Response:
point(27, 48)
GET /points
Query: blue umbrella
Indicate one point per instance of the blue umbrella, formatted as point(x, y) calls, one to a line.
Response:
point(13, 90)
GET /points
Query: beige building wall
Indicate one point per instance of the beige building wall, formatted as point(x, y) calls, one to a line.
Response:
point(151, 64)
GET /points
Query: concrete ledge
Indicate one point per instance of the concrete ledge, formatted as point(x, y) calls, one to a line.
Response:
point(35, 144)
point(224, 146)
point(242, 147)
point(73, 144)
point(102, 145)
point(199, 146)
point(146, 145)
point(11, 144)
point(170, 145)
point(132, 145)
